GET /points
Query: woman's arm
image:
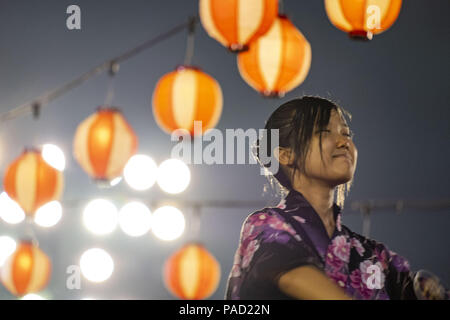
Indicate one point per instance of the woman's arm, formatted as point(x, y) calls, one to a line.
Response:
point(309, 283)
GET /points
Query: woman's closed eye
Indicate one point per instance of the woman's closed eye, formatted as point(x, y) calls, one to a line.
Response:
point(349, 134)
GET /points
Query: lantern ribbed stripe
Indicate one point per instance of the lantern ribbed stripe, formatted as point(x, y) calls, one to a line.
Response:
point(27, 270)
point(235, 23)
point(31, 182)
point(192, 273)
point(100, 138)
point(351, 15)
point(184, 96)
point(103, 144)
point(277, 62)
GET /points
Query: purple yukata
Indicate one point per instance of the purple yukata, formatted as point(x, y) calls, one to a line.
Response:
point(276, 240)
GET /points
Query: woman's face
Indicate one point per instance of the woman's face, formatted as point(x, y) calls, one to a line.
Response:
point(338, 150)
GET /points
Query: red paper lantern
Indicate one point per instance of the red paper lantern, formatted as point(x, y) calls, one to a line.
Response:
point(31, 182)
point(192, 273)
point(184, 96)
point(104, 143)
point(238, 22)
point(277, 62)
point(27, 270)
point(361, 19)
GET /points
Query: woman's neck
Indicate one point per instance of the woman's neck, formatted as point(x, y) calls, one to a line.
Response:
point(320, 197)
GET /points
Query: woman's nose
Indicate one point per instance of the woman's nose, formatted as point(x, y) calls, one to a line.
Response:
point(343, 142)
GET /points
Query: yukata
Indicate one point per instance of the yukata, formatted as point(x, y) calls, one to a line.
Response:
point(278, 239)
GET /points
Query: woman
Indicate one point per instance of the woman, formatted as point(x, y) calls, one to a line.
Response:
point(300, 249)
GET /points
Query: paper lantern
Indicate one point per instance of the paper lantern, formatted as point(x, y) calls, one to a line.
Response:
point(32, 182)
point(103, 144)
point(277, 62)
point(238, 22)
point(192, 273)
point(361, 19)
point(184, 96)
point(27, 270)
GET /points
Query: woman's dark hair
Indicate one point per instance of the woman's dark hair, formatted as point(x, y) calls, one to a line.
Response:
point(295, 121)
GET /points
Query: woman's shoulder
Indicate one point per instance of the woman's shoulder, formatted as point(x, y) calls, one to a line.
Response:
point(264, 213)
point(270, 217)
point(267, 219)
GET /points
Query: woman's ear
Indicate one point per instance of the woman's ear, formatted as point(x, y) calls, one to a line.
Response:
point(283, 155)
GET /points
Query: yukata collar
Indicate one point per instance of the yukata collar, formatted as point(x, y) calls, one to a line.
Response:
point(296, 205)
point(295, 199)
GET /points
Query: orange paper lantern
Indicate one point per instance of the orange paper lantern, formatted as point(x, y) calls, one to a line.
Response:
point(361, 19)
point(31, 182)
point(27, 270)
point(192, 273)
point(184, 96)
point(236, 23)
point(104, 143)
point(277, 62)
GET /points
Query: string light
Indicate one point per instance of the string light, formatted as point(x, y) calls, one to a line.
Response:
point(49, 214)
point(96, 265)
point(140, 172)
point(7, 247)
point(100, 216)
point(10, 211)
point(168, 223)
point(135, 219)
point(173, 176)
point(54, 156)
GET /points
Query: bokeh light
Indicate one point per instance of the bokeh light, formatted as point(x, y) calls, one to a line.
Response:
point(32, 296)
point(10, 211)
point(54, 156)
point(100, 216)
point(140, 172)
point(115, 181)
point(49, 214)
point(96, 265)
point(7, 247)
point(135, 219)
point(173, 176)
point(168, 223)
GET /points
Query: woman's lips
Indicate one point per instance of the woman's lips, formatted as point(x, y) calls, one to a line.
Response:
point(344, 156)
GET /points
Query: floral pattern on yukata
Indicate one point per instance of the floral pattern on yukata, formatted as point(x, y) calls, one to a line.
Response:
point(272, 239)
point(266, 226)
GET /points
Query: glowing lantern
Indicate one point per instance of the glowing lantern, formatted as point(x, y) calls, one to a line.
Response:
point(361, 19)
point(31, 182)
point(277, 62)
point(27, 270)
point(192, 273)
point(103, 144)
point(184, 96)
point(236, 23)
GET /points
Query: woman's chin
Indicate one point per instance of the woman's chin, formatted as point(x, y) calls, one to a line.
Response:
point(342, 178)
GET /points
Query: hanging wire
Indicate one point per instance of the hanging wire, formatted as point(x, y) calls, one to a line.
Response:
point(29, 234)
point(366, 210)
point(113, 69)
point(190, 41)
point(195, 223)
point(44, 99)
point(280, 7)
point(36, 110)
